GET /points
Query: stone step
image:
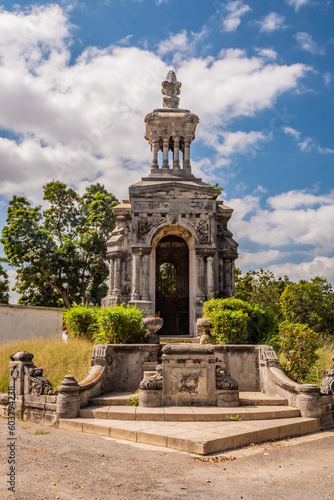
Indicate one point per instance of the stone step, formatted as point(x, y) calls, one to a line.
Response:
point(246, 399)
point(261, 399)
point(111, 399)
point(178, 340)
point(189, 413)
point(200, 438)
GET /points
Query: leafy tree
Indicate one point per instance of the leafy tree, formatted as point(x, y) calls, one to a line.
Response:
point(60, 252)
point(298, 345)
point(310, 303)
point(4, 286)
point(261, 287)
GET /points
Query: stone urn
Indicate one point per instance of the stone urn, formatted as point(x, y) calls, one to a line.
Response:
point(153, 325)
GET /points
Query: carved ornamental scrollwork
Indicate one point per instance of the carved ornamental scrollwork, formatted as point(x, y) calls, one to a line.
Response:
point(38, 384)
point(327, 384)
point(202, 230)
point(223, 382)
point(145, 226)
point(191, 117)
point(151, 116)
point(153, 383)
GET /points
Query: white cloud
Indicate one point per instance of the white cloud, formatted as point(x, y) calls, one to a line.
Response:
point(183, 43)
point(319, 266)
point(328, 77)
point(325, 151)
point(251, 260)
point(305, 42)
point(272, 22)
point(74, 122)
point(235, 10)
point(267, 53)
point(291, 131)
point(293, 218)
point(296, 4)
point(306, 145)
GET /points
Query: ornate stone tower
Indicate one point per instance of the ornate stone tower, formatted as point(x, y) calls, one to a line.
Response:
point(171, 249)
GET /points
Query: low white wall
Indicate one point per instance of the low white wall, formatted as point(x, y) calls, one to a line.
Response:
point(22, 322)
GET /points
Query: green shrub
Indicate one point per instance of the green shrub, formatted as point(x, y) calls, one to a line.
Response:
point(298, 345)
point(82, 321)
point(229, 327)
point(121, 325)
point(261, 323)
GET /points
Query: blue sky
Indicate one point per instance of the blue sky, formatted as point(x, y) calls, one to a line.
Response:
point(77, 78)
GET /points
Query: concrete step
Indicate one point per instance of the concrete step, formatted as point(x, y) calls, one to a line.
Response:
point(261, 399)
point(246, 399)
point(200, 438)
point(188, 413)
point(178, 340)
point(111, 399)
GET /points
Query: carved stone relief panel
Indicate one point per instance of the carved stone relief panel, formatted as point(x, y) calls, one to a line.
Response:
point(202, 230)
point(145, 226)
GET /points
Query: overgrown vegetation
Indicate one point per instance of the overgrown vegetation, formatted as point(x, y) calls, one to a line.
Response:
point(110, 325)
point(298, 345)
point(236, 321)
point(56, 357)
point(297, 319)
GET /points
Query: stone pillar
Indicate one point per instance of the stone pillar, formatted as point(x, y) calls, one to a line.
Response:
point(210, 277)
point(135, 277)
point(165, 153)
point(154, 165)
point(68, 400)
point(221, 276)
point(176, 153)
point(200, 277)
point(186, 154)
point(145, 277)
point(227, 278)
point(111, 276)
point(117, 275)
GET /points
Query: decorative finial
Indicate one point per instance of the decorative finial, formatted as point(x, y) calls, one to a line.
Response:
point(171, 89)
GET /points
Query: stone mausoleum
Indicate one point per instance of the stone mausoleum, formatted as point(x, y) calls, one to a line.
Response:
point(171, 248)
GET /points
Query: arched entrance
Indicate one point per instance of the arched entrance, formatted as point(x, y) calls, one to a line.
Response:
point(172, 285)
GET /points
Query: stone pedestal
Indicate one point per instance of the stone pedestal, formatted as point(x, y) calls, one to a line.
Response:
point(68, 401)
point(228, 398)
point(188, 375)
point(308, 401)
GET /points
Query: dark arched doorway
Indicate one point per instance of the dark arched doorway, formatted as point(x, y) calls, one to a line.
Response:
point(172, 285)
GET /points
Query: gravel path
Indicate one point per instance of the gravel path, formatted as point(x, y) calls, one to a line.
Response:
point(64, 465)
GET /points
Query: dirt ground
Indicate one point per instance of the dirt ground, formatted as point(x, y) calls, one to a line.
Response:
point(54, 464)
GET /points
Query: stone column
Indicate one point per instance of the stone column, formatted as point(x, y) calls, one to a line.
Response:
point(111, 276)
point(176, 153)
point(154, 165)
point(221, 276)
point(135, 277)
point(227, 278)
point(145, 277)
point(186, 154)
point(117, 275)
point(210, 277)
point(200, 277)
point(165, 153)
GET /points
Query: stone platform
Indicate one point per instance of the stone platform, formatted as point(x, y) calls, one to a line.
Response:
point(200, 438)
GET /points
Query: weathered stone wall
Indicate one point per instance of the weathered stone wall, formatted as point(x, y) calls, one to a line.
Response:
point(22, 322)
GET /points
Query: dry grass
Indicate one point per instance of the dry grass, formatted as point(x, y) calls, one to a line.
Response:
point(55, 356)
point(325, 361)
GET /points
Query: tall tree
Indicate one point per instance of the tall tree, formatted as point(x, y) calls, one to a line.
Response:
point(60, 252)
point(310, 303)
point(261, 287)
point(4, 285)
